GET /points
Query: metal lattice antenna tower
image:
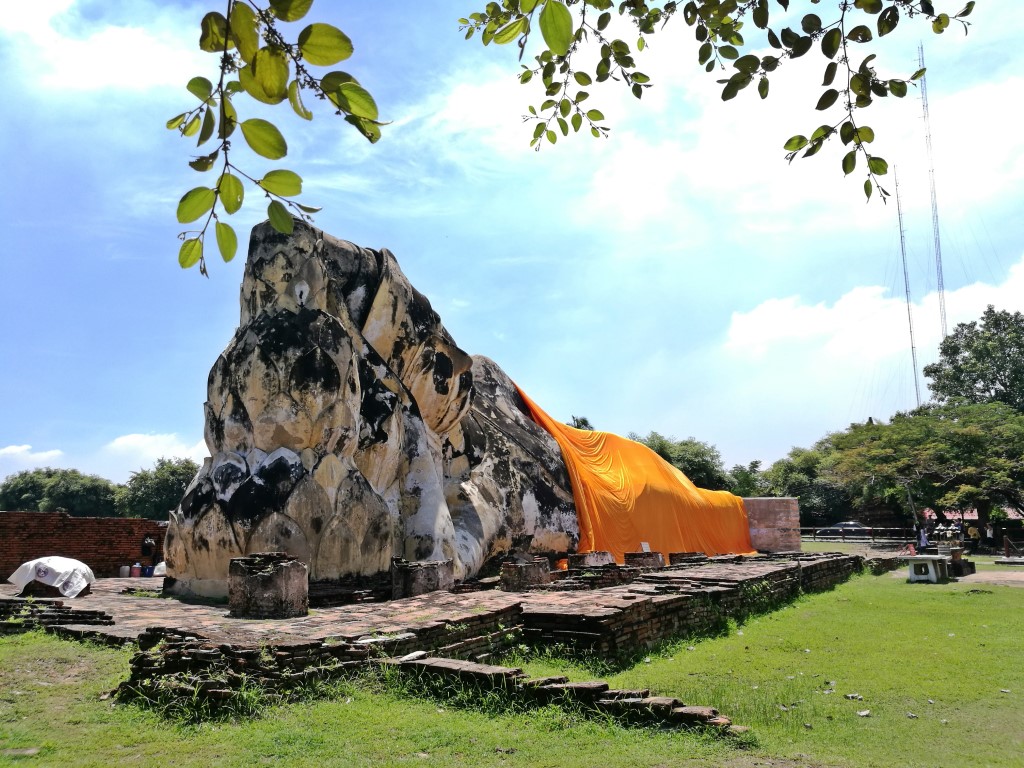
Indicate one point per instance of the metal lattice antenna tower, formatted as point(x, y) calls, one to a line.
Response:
point(940, 285)
point(906, 288)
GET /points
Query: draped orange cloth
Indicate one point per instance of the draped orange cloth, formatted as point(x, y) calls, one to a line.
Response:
point(626, 494)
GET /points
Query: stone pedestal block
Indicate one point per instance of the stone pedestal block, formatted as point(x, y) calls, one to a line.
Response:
point(774, 524)
point(590, 560)
point(686, 558)
point(518, 577)
point(645, 559)
point(268, 585)
point(411, 578)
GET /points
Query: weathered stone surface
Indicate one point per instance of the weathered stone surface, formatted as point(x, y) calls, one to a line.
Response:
point(268, 585)
point(347, 428)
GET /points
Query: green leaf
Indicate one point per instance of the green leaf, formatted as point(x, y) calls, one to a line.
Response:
point(728, 52)
point(227, 241)
point(231, 192)
point(811, 24)
point(323, 45)
point(747, 64)
point(966, 11)
point(830, 42)
point(551, 136)
point(195, 203)
point(356, 100)
point(870, 6)
point(368, 128)
point(888, 20)
point(577, 121)
point(859, 34)
point(527, 6)
point(556, 27)
point(795, 143)
point(878, 166)
point(228, 118)
point(251, 86)
point(563, 107)
point(282, 182)
point(244, 32)
point(582, 78)
point(603, 20)
point(279, 217)
point(190, 253)
point(290, 10)
point(939, 23)
point(191, 127)
point(846, 132)
point(309, 208)
point(867, 188)
point(830, 73)
point(295, 99)
point(512, 31)
point(595, 115)
point(270, 71)
point(264, 139)
point(762, 88)
point(200, 87)
point(828, 98)
point(176, 121)
point(898, 88)
point(849, 162)
point(864, 135)
point(209, 123)
point(919, 74)
point(213, 37)
point(334, 80)
point(205, 162)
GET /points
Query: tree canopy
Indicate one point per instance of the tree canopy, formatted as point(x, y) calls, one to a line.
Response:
point(58, 490)
point(699, 461)
point(946, 457)
point(584, 44)
point(153, 493)
point(982, 361)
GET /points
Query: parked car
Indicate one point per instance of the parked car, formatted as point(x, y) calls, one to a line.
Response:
point(847, 528)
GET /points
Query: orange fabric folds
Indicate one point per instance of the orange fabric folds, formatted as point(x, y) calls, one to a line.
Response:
point(626, 494)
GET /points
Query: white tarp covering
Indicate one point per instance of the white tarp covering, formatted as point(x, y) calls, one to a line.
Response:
point(69, 576)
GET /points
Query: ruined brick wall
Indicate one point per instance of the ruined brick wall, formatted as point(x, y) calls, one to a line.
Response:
point(102, 543)
point(774, 524)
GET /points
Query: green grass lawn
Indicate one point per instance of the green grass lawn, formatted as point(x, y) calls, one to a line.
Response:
point(942, 652)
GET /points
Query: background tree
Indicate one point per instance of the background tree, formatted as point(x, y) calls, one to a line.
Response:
point(747, 481)
point(822, 501)
point(153, 493)
point(947, 457)
point(58, 490)
point(982, 361)
point(701, 462)
point(581, 422)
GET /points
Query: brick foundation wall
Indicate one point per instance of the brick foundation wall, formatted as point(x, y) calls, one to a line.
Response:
point(102, 543)
point(774, 524)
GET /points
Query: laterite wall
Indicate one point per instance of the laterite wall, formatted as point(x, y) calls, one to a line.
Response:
point(774, 524)
point(102, 543)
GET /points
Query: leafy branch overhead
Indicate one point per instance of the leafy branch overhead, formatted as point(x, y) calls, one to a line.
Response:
point(572, 29)
point(256, 60)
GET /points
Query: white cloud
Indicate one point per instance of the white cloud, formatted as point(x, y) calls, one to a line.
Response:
point(144, 449)
point(116, 53)
point(25, 455)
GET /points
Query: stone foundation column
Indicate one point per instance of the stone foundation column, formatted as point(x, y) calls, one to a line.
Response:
point(645, 559)
point(268, 585)
point(590, 560)
point(518, 577)
point(411, 578)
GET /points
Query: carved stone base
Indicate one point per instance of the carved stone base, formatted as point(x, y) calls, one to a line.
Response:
point(268, 585)
point(411, 578)
point(518, 577)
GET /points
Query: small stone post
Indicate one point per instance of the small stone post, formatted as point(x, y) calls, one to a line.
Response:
point(268, 585)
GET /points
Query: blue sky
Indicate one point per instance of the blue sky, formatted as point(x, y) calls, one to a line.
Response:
point(678, 276)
